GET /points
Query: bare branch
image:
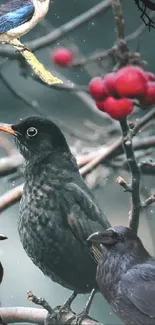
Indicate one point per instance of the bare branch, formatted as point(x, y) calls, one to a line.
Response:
point(6, 145)
point(117, 11)
point(37, 67)
point(148, 201)
point(23, 315)
point(127, 187)
point(144, 121)
point(11, 197)
point(135, 173)
point(37, 316)
point(10, 164)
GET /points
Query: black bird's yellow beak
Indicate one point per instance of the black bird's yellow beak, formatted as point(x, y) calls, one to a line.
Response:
point(4, 127)
point(106, 237)
point(2, 237)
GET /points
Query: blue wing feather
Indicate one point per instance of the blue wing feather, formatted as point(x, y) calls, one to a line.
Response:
point(14, 14)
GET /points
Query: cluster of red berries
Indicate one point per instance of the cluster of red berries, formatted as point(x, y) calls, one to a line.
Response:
point(115, 92)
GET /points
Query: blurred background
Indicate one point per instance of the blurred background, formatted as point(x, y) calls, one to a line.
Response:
point(69, 111)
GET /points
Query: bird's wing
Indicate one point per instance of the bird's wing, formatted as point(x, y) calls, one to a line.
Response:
point(88, 206)
point(139, 286)
point(14, 14)
point(84, 218)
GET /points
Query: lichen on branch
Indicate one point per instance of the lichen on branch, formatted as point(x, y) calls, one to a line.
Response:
point(37, 67)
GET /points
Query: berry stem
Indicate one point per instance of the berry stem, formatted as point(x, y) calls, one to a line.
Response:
point(117, 11)
point(135, 172)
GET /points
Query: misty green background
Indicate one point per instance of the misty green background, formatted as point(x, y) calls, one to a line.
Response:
point(20, 273)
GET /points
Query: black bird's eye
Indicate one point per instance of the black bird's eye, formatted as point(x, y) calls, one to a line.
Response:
point(31, 132)
point(118, 236)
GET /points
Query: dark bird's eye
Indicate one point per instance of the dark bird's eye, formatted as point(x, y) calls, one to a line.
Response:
point(118, 236)
point(31, 132)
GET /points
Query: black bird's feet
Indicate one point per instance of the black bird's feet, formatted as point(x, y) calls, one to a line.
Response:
point(78, 318)
point(59, 310)
point(54, 314)
point(67, 304)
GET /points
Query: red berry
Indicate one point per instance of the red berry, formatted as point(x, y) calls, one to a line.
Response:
point(97, 88)
point(109, 81)
point(150, 76)
point(100, 104)
point(117, 108)
point(149, 98)
point(131, 82)
point(62, 56)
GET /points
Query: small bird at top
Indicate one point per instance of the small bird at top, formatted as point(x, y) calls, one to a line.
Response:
point(126, 275)
point(2, 237)
point(17, 17)
point(55, 200)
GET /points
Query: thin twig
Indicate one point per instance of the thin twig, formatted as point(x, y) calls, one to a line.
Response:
point(143, 121)
point(121, 181)
point(39, 301)
point(117, 11)
point(148, 201)
point(135, 173)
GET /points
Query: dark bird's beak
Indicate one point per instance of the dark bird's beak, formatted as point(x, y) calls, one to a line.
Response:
point(7, 128)
point(2, 237)
point(106, 237)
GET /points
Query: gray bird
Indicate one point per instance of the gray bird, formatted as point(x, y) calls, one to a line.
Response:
point(55, 197)
point(126, 275)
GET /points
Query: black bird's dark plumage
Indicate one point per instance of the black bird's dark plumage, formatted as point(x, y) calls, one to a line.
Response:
point(55, 196)
point(2, 237)
point(126, 275)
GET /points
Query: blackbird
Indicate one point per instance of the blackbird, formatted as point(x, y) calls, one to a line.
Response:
point(2, 237)
point(55, 196)
point(126, 275)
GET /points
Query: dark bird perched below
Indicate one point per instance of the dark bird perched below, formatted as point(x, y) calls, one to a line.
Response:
point(126, 275)
point(2, 237)
point(55, 196)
